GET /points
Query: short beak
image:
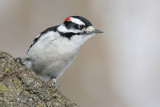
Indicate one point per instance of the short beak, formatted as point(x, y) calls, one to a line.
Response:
point(91, 30)
point(97, 31)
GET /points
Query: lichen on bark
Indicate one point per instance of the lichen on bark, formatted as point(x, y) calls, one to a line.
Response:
point(20, 87)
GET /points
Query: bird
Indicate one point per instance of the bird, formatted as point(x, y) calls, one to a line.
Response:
point(55, 49)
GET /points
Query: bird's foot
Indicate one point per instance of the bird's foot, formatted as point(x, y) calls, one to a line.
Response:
point(54, 85)
point(19, 60)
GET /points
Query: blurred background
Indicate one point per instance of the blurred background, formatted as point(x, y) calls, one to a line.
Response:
point(119, 68)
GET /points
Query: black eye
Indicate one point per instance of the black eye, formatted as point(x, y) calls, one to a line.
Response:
point(81, 27)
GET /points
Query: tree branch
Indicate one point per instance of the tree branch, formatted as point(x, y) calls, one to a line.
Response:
point(20, 87)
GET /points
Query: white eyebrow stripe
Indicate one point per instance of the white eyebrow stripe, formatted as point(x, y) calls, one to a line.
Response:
point(63, 29)
point(77, 21)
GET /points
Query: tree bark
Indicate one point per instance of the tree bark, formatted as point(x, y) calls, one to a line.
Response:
point(20, 87)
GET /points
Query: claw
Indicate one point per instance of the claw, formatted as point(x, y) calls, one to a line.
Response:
point(57, 87)
point(54, 85)
point(19, 60)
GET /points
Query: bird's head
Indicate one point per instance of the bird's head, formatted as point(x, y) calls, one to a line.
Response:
point(77, 28)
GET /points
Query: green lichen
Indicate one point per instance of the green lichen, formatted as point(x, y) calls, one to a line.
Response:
point(4, 104)
point(21, 87)
point(3, 87)
point(16, 83)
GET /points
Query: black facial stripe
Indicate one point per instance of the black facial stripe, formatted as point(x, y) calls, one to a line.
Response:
point(69, 24)
point(68, 34)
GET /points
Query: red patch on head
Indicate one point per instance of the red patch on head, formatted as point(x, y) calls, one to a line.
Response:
point(67, 19)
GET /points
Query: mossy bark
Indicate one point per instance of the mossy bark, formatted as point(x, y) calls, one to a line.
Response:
point(20, 87)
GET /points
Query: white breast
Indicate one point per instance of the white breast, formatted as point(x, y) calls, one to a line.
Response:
point(50, 56)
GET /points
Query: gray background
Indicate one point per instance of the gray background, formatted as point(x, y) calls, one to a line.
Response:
point(119, 68)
